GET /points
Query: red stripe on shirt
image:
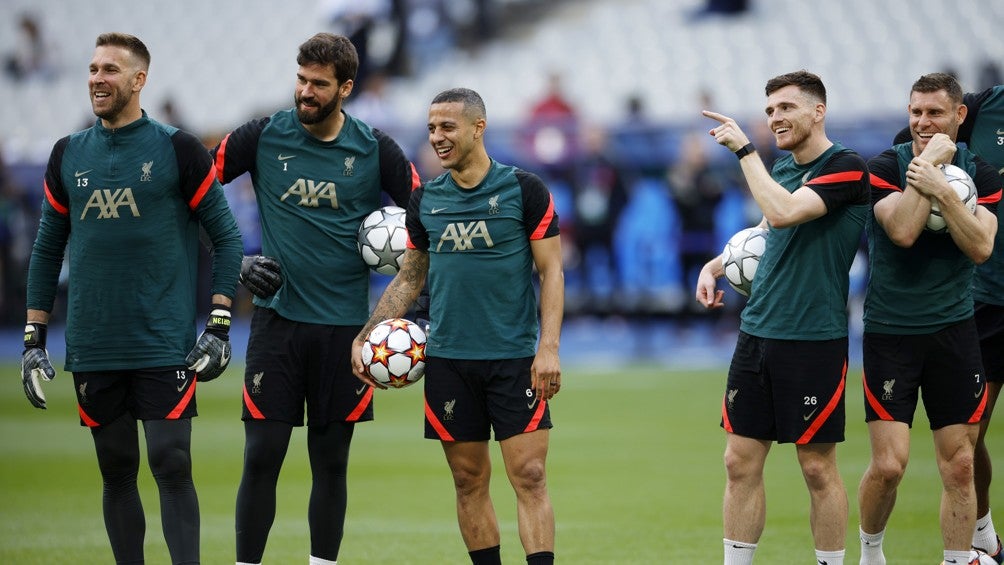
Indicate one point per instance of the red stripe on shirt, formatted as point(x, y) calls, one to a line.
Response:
point(185, 400)
point(430, 417)
point(990, 199)
point(827, 411)
point(52, 200)
point(416, 181)
point(833, 178)
point(249, 404)
point(87, 420)
point(535, 421)
point(221, 157)
point(882, 413)
point(361, 407)
point(545, 221)
point(879, 182)
point(203, 189)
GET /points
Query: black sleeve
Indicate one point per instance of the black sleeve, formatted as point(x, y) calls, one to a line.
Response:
point(195, 166)
point(237, 153)
point(418, 238)
point(55, 191)
point(988, 185)
point(903, 136)
point(974, 102)
point(842, 181)
point(540, 219)
point(884, 175)
point(397, 176)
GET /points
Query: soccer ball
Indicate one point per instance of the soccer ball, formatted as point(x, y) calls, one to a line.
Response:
point(964, 186)
point(382, 239)
point(982, 559)
point(741, 257)
point(394, 353)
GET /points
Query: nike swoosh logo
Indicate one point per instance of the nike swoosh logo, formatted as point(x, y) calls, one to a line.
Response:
point(979, 529)
point(436, 210)
point(285, 157)
point(809, 415)
point(361, 389)
point(999, 132)
point(181, 387)
point(979, 392)
point(224, 358)
point(530, 405)
point(81, 173)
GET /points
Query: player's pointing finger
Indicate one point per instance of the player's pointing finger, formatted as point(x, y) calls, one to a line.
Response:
point(716, 116)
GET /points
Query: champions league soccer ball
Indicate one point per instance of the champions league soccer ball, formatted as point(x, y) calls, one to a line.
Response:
point(964, 186)
point(394, 353)
point(982, 559)
point(741, 257)
point(382, 238)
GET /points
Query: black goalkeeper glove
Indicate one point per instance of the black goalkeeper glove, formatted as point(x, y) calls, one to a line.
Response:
point(35, 364)
point(261, 275)
point(211, 353)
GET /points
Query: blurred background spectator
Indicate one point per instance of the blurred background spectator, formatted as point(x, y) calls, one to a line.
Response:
point(32, 56)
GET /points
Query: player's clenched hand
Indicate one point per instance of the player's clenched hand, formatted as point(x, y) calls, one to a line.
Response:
point(357, 365)
point(261, 275)
point(35, 364)
point(940, 149)
point(211, 353)
point(728, 133)
point(707, 295)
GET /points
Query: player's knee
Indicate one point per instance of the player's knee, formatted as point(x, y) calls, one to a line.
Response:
point(888, 471)
point(530, 476)
point(471, 480)
point(171, 463)
point(957, 471)
point(739, 468)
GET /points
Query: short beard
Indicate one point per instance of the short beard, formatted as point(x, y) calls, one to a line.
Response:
point(312, 116)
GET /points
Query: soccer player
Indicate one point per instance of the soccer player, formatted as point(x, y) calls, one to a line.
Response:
point(317, 172)
point(930, 347)
point(476, 232)
point(983, 132)
point(125, 198)
point(788, 374)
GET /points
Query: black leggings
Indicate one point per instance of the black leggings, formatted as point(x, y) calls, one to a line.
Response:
point(264, 450)
point(169, 454)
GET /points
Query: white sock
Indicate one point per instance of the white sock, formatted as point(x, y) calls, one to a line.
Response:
point(957, 556)
point(871, 548)
point(984, 536)
point(319, 561)
point(243, 563)
point(738, 552)
point(830, 557)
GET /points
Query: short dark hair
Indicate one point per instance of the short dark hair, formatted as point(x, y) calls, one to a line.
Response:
point(939, 81)
point(807, 82)
point(128, 42)
point(330, 49)
point(474, 106)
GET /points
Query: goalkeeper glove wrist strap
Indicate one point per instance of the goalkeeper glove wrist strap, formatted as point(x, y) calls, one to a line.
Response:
point(219, 321)
point(34, 335)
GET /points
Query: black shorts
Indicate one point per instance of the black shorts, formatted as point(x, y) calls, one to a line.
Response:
point(990, 327)
point(944, 367)
point(289, 363)
point(157, 393)
point(789, 391)
point(465, 399)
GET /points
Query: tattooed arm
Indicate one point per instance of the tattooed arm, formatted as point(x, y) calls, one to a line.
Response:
point(402, 291)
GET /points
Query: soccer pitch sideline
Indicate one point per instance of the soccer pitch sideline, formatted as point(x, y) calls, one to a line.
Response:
point(635, 473)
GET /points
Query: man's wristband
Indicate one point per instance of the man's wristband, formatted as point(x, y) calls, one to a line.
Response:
point(34, 335)
point(745, 150)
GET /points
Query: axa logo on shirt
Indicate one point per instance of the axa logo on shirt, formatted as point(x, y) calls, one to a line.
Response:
point(463, 234)
point(106, 202)
point(311, 193)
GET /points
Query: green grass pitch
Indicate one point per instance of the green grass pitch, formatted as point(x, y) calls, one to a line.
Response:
point(635, 474)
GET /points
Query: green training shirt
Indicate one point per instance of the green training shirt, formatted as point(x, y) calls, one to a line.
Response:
point(125, 204)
